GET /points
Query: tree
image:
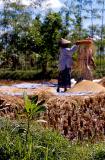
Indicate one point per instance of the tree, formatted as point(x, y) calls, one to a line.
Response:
point(51, 31)
point(15, 22)
point(81, 12)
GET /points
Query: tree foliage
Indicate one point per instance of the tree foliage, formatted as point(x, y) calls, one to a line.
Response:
point(26, 34)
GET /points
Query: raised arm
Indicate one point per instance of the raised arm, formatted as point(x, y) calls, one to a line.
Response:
point(71, 50)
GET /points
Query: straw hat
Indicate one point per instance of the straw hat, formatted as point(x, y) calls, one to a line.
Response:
point(82, 42)
point(64, 41)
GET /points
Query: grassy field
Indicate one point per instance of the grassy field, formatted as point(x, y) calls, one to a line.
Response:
point(52, 71)
point(43, 144)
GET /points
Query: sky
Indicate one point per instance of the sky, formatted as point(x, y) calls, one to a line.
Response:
point(55, 5)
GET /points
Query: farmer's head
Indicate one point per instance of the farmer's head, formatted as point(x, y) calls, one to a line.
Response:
point(64, 43)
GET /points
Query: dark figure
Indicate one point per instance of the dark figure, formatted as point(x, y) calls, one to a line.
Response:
point(15, 61)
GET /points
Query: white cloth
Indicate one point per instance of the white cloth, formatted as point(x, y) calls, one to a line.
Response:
point(65, 57)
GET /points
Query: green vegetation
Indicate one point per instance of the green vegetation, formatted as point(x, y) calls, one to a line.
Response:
point(32, 110)
point(29, 51)
point(30, 41)
point(27, 75)
point(43, 144)
point(27, 139)
point(39, 75)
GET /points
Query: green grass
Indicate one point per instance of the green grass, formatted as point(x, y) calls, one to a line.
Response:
point(24, 74)
point(52, 73)
point(43, 144)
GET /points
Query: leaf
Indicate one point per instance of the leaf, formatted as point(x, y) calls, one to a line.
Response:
point(41, 109)
point(33, 107)
point(27, 104)
point(41, 102)
point(37, 110)
point(34, 99)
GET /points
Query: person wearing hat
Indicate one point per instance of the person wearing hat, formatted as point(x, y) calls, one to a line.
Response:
point(65, 64)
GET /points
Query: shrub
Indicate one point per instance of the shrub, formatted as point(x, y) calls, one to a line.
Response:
point(100, 155)
point(25, 75)
point(42, 144)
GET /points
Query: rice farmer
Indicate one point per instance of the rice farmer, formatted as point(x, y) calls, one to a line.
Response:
point(65, 64)
point(85, 60)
